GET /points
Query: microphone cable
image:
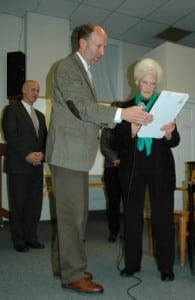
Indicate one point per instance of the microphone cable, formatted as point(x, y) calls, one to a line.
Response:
point(122, 240)
point(139, 281)
point(121, 247)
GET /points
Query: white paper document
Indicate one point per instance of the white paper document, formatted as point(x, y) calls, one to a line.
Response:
point(164, 110)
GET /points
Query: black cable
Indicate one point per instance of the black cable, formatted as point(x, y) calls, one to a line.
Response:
point(139, 281)
point(122, 238)
point(119, 259)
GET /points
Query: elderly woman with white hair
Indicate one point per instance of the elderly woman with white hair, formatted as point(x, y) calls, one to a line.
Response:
point(147, 163)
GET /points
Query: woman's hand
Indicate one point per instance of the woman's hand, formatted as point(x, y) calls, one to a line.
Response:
point(168, 129)
point(134, 129)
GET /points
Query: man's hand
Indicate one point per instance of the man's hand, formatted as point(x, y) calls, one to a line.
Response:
point(136, 114)
point(35, 158)
point(116, 163)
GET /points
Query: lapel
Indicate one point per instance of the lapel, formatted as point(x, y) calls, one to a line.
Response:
point(84, 73)
point(27, 117)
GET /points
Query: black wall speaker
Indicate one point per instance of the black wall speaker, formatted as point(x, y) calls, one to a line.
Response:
point(15, 73)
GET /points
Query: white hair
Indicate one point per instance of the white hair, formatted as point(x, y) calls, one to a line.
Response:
point(146, 65)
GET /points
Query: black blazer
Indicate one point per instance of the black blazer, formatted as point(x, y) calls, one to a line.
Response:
point(160, 162)
point(21, 138)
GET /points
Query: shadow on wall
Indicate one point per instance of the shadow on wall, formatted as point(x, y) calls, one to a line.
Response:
point(48, 92)
point(130, 80)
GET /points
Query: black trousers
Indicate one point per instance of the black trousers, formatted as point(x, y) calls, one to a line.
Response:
point(162, 206)
point(113, 193)
point(25, 193)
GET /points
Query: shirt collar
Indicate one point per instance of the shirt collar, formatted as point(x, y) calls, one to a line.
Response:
point(86, 66)
point(26, 105)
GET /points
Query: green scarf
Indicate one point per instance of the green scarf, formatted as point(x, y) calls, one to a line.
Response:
point(145, 143)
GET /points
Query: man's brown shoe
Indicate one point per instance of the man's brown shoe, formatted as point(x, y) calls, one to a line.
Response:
point(84, 286)
point(87, 275)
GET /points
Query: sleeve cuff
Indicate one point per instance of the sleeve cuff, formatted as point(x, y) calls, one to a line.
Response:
point(117, 118)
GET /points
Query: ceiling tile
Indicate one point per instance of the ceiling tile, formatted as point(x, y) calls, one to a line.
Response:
point(187, 23)
point(152, 43)
point(86, 14)
point(142, 31)
point(108, 4)
point(140, 8)
point(173, 34)
point(57, 8)
point(117, 24)
point(172, 11)
point(189, 40)
point(17, 8)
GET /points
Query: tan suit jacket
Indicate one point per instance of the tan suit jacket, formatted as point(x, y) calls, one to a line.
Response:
point(75, 118)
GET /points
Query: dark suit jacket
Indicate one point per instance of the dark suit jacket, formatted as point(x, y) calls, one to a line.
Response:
point(20, 135)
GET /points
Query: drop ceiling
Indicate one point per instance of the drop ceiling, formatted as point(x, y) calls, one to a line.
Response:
point(146, 23)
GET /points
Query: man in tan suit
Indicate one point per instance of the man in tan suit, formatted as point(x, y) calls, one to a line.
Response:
point(71, 150)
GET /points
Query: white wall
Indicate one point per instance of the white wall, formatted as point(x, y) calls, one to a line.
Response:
point(178, 63)
point(47, 41)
